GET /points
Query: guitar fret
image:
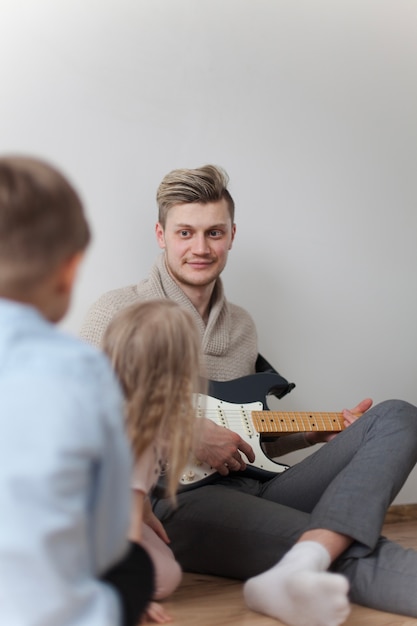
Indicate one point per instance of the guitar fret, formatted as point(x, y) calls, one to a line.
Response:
point(275, 422)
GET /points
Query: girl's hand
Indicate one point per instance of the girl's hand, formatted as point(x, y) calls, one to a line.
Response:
point(155, 612)
point(151, 520)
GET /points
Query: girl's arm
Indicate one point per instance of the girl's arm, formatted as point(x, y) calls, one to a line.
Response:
point(150, 519)
point(142, 514)
point(136, 517)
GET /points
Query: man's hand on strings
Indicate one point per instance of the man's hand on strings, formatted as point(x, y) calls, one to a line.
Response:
point(221, 448)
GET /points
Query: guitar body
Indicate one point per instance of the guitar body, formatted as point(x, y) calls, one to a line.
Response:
point(230, 405)
point(255, 387)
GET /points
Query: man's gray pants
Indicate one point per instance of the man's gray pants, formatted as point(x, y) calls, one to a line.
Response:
point(238, 527)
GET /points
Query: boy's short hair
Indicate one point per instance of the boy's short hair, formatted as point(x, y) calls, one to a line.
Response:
point(203, 184)
point(42, 221)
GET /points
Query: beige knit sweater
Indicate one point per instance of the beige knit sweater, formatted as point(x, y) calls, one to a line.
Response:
point(229, 341)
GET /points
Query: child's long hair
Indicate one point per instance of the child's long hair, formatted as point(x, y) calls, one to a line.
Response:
point(154, 347)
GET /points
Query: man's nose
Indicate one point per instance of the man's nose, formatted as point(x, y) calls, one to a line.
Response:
point(200, 245)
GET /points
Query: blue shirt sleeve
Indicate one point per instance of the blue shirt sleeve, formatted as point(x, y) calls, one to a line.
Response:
point(64, 494)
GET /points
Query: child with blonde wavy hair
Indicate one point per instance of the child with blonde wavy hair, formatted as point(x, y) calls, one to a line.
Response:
point(154, 347)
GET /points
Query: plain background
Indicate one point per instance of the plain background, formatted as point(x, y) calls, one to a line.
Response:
point(310, 106)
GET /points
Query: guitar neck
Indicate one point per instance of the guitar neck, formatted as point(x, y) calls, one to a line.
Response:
point(281, 422)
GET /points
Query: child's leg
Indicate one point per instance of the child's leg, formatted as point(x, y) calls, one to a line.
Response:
point(133, 579)
point(168, 572)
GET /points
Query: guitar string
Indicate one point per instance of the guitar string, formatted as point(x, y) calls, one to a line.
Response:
point(276, 421)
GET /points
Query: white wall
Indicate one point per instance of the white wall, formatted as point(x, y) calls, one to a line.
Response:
point(310, 105)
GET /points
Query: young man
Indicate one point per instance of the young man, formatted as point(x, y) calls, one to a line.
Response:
point(65, 461)
point(325, 513)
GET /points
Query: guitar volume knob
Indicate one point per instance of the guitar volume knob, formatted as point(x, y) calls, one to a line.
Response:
point(189, 476)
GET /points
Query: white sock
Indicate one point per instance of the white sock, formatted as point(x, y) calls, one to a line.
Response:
point(298, 591)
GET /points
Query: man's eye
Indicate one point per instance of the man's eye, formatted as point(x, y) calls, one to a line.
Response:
point(184, 233)
point(215, 233)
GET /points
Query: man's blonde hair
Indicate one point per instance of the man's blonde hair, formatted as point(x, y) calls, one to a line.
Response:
point(42, 222)
point(154, 347)
point(203, 184)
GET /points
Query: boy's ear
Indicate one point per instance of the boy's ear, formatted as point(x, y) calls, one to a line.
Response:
point(67, 273)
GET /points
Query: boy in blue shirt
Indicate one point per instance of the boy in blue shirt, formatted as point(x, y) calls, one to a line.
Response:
point(65, 461)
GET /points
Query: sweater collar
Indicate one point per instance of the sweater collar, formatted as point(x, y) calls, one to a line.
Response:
point(215, 335)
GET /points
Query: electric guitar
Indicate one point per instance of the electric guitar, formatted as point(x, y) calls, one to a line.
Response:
point(254, 422)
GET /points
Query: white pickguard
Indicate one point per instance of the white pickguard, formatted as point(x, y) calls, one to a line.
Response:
point(236, 417)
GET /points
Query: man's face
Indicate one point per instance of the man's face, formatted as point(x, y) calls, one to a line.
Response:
point(196, 240)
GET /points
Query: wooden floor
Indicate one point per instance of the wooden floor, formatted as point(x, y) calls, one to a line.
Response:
point(210, 601)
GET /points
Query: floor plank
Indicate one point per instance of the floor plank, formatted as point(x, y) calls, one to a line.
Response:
point(211, 601)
